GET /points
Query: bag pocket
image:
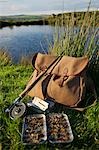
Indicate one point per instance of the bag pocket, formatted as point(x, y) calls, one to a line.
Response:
point(67, 94)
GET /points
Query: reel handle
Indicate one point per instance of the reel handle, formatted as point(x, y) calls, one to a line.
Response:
point(16, 101)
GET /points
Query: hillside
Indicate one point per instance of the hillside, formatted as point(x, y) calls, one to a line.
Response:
point(21, 20)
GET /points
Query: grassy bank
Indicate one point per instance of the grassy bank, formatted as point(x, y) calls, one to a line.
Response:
point(13, 79)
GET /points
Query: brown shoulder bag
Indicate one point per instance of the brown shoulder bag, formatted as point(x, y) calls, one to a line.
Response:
point(65, 81)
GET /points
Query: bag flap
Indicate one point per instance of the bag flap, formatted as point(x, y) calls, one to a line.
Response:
point(41, 61)
point(68, 66)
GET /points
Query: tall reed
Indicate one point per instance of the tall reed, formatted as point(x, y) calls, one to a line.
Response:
point(5, 58)
point(77, 36)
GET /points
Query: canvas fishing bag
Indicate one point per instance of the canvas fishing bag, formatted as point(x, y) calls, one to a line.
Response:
point(65, 82)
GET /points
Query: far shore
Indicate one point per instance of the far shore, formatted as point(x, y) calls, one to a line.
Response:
point(19, 23)
point(18, 20)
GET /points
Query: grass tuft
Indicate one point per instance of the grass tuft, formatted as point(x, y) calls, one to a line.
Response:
point(5, 58)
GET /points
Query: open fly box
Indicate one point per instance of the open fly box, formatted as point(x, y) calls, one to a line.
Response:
point(54, 128)
point(59, 129)
point(34, 129)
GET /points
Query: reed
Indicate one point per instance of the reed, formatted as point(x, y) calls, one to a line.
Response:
point(25, 60)
point(5, 58)
point(76, 40)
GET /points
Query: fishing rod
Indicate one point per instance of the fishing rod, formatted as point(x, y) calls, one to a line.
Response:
point(17, 108)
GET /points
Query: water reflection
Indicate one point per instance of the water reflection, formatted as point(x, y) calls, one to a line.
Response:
point(24, 40)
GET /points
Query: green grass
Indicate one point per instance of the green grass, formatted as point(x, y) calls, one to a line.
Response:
point(12, 82)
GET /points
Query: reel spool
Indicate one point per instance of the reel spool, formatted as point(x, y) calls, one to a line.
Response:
point(17, 111)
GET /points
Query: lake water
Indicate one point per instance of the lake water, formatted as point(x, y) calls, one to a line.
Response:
point(25, 40)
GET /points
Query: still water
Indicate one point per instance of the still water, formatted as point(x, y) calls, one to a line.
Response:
point(25, 40)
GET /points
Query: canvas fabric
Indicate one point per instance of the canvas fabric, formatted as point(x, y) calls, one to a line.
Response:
point(64, 82)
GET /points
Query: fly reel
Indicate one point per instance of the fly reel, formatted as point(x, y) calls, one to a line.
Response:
point(17, 111)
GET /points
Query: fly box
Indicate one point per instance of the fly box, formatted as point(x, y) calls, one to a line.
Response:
point(38, 128)
point(34, 129)
point(59, 129)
